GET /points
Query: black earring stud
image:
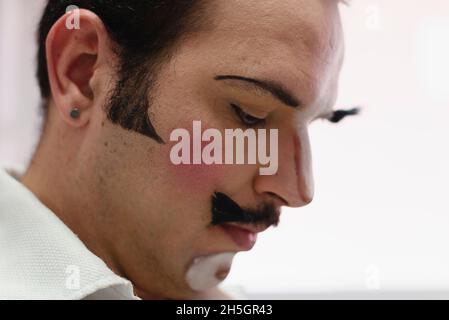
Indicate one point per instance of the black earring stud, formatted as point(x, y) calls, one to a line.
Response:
point(75, 113)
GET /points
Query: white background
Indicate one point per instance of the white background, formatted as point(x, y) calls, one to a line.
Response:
point(379, 223)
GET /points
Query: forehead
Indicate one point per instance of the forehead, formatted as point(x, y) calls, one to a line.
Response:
point(296, 42)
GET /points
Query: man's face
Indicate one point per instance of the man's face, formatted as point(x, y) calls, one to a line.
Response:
point(156, 216)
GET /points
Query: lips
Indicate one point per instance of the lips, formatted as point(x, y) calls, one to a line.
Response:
point(245, 239)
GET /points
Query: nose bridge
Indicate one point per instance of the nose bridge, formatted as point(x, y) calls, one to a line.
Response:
point(303, 166)
point(293, 181)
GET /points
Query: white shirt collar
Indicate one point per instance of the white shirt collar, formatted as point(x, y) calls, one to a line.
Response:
point(41, 258)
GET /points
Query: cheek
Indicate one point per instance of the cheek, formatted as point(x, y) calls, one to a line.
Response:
point(195, 178)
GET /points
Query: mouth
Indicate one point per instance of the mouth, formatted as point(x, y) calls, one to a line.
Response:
point(243, 236)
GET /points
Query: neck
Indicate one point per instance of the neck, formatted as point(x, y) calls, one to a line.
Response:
point(57, 178)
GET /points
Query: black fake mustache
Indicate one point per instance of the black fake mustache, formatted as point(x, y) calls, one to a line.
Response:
point(225, 210)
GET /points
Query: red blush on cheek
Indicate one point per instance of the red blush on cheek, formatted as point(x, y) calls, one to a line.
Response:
point(194, 178)
point(199, 177)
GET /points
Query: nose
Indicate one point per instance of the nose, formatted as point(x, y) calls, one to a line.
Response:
point(293, 181)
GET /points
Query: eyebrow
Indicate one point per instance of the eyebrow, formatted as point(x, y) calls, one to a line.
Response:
point(275, 89)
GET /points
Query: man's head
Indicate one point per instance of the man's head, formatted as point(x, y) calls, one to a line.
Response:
point(137, 70)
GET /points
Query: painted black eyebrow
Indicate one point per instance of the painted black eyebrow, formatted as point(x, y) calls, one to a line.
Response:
point(275, 89)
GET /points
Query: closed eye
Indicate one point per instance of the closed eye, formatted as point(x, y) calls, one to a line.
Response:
point(246, 118)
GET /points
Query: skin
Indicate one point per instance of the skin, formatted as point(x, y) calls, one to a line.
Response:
point(118, 191)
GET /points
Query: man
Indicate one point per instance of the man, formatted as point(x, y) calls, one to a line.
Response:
point(103, 211)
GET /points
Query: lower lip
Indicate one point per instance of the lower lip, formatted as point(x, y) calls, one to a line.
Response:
point(243, 238)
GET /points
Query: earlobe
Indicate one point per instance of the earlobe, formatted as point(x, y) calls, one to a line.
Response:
point(73, 57)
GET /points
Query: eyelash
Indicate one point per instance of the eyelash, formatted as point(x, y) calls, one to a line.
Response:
point(245, 118)
point(338, 115)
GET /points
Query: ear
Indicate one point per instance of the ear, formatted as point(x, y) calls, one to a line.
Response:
point(75, 52)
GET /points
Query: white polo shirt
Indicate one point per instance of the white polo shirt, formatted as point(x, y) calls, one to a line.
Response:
point(41, 258)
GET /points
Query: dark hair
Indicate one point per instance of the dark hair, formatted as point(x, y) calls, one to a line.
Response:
point(144, 33)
